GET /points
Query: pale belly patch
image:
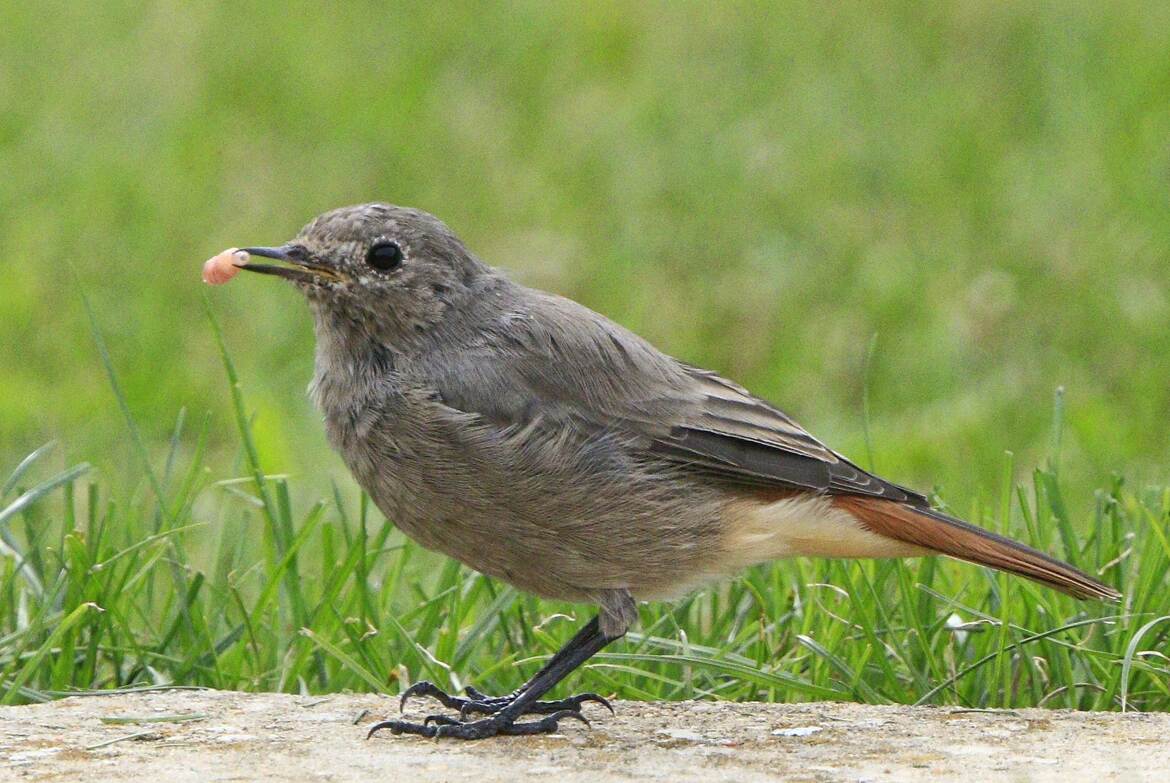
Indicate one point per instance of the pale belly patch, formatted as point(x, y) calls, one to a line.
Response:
point(802, 525)
point(807, 525)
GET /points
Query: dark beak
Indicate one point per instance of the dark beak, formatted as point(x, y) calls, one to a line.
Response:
point(301, 270)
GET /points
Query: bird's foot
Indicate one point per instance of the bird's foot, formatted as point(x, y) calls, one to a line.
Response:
point(498, 722)
point(477, 703)
point(502, 725)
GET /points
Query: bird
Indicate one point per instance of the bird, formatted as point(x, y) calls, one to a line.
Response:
point(543, 444)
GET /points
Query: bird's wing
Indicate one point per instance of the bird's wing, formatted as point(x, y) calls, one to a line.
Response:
point(555, 362)
point(742, 437)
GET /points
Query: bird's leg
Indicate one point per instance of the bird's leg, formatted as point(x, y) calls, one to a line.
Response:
point(483, 704)
point(504, 711)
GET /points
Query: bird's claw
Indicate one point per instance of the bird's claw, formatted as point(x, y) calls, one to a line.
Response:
point(425, 688)
point(498, 721)
point(488, 706)
point(496, 725)
point(479, 703)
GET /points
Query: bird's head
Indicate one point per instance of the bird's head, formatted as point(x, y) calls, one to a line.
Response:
point(388, 272)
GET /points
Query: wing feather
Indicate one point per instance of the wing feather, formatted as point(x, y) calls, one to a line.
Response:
point(744, 438)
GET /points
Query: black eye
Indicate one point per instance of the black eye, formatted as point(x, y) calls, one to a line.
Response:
point(384, 256)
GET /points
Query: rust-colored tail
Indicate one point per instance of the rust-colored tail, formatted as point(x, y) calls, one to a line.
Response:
point(946, 535)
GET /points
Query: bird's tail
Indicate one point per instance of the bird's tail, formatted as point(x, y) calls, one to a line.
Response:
point(946, 535)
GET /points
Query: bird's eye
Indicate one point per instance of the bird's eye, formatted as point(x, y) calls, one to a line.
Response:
point(384, 256)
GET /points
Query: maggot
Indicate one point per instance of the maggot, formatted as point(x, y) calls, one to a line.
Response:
point(218, 269)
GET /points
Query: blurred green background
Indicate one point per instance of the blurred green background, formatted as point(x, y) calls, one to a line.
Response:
point(760, 189)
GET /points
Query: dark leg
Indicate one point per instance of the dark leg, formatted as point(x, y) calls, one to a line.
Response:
point(483, 704)
point(505, 711)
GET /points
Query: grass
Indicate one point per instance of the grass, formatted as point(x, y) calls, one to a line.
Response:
point(226, 584)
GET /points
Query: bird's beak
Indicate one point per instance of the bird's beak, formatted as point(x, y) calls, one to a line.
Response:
point(302, 270)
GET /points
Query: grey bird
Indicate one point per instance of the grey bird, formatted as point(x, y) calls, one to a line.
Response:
point(544, 445)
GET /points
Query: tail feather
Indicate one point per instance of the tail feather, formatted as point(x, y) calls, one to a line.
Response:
point(946, 535)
